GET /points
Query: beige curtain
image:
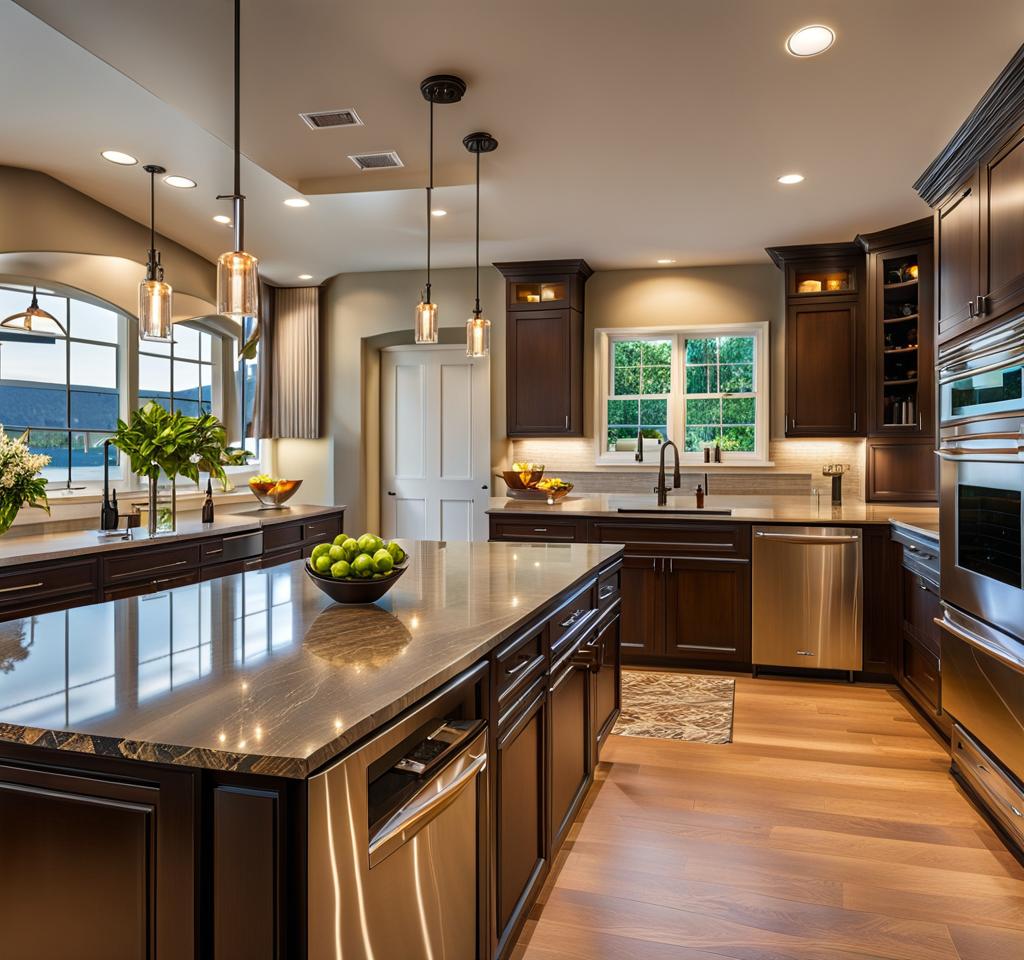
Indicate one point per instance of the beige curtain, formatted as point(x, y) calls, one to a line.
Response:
point(288, 398)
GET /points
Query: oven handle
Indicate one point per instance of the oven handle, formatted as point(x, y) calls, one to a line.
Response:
point(428, 805)
point(1005, 657)
point(962, 454)
point(950, 374)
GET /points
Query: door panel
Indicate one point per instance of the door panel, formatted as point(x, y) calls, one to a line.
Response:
point(435, 444)
point(643, 608)
point(570, 732)
point(1002, 238)
point(541, 354)
point(957, 266)
point(708, 610)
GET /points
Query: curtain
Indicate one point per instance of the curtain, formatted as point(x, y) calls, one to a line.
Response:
point(288, 382)
point(263, 414)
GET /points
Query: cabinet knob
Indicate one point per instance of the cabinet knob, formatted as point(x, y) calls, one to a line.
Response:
point(970, 308)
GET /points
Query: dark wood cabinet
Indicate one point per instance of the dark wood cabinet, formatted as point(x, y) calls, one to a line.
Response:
point(537, 529)
point(606, 678)
point(544, 347)
point(643, 607)
point(1002, 229)
point(707, 604)
point(570, 741)
point(823, 369)
point(957, 262)
point(880, 628)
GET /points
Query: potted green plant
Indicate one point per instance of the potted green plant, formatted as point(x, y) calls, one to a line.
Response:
point(156, 441)
point(20, 482)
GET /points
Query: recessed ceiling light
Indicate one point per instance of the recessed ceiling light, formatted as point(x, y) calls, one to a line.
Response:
point(222, 218)
point(184, 183)
point(305, 276)
point(296, 202)
point(810, 41)
point(791, 178)
point(439, 213)
point(116, 156)
point(665, 260)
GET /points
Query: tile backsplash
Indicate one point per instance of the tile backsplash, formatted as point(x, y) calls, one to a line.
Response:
point(797, 466)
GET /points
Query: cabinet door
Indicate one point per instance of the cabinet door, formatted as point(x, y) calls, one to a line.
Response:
point(643, 608)
point(1002, 228)
point(708, 610)
point(881, 566)
point(899, 470)
point(823, 370)
point(920, 607)
point(520, 787)
point(570, 744)
point(607, 682)
point(544, 371)
point(957, 263)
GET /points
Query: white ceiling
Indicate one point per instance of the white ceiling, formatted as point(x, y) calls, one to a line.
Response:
point(628, 131)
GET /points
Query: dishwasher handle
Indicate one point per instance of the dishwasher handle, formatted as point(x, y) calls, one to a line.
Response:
point(436, 796)
point(807, 537)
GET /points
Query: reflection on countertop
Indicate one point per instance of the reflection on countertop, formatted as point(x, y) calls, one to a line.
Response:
point(260, 672)
point(749, 509)
point(17, 549)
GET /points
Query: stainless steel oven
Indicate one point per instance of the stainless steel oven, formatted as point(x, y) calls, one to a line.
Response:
point(981, 447)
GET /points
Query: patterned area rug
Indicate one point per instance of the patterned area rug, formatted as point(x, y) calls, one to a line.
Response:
point(676, 706)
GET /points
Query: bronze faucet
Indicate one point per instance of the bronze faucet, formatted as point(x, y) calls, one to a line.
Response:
point(662, 489)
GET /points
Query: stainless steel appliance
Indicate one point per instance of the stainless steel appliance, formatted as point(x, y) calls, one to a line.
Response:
point(807, 596)
point(397, 844)
point(981, 448)
point(983, 689)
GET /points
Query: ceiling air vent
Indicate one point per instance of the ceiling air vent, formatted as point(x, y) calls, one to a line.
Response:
point(322, 119)
point(377, 161)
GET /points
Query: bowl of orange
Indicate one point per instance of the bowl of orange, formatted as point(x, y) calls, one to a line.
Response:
point(271, 492)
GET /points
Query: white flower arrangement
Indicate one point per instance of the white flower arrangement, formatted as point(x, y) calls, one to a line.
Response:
point(20, 483)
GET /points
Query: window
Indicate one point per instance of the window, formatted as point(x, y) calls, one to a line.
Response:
point(64, 391)
point(694, 386)
point(178, 375)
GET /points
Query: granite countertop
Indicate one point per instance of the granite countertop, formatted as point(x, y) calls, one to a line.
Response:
point(922, 527)
point(750, 509)
point(261, 672)
point(16, 549)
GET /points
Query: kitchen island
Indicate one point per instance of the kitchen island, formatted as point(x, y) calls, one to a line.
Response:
point(159, 754)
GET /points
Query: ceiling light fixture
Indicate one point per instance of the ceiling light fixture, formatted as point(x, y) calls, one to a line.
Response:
point(478, 328)
point(154, 293)
point(810, 41)
point(26, 320)
point(790, 178)
point(237, 271)
point(665, 260)
point(296, 202)
point(222, 218)
point(439, 213)
point(116, 156)
point(182, 183)
point(305, 276)
point(438, 89)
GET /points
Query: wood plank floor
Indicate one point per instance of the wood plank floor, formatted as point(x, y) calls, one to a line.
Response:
point(828, 830)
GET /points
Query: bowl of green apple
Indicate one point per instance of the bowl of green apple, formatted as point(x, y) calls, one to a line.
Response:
point(356, 570)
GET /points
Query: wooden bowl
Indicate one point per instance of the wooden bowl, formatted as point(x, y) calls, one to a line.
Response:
point(354, 591)
point(514, 479)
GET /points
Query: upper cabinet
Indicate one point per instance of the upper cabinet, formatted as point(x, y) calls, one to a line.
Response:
point(824, 339)
point(976, 187)
point(544, 348)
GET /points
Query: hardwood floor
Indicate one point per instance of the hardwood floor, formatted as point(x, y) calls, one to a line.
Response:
point(828, 830)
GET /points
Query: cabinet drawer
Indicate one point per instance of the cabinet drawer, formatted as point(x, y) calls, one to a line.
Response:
point(25, 587)
point(921, 670)
point(326, 528)
point(146, 564)
point(239, 547)
point(155, 584)
point(704, 538)
point(609, 587)
point(281, 535)
point(214, 570)
point(519, 662)
point(537, 530)
point(572, 617)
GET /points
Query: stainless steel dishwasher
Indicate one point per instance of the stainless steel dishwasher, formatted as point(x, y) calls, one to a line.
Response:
point(807, 594)
point(397, 844)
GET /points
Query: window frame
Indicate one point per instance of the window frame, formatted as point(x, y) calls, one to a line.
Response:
point(604, 340)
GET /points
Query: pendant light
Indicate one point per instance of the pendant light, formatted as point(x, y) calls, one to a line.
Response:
point(238, 271)
point(478, 327)
point(154, 292)
point(27, 318)
point(437, 89)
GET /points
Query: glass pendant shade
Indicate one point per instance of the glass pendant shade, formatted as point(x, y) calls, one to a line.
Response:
point(478, 336)
point(155, 310)
point(238, 284)
point(426, 322)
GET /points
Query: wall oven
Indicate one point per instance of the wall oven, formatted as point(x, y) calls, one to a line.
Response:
point(981, 449)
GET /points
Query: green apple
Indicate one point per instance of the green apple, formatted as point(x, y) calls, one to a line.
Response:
point(340, 570)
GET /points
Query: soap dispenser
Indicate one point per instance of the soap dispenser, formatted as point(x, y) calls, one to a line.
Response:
point(208, 503)
point(700, 497)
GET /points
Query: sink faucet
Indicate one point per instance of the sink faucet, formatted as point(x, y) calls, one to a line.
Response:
point(662, 488)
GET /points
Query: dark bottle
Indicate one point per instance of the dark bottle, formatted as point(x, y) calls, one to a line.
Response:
point(208, 503)
point(700, 497)
point(718, 452)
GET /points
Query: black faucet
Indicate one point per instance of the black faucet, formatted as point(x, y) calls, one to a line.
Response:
point(108, 511)
point(639, 455)
point(662, 489)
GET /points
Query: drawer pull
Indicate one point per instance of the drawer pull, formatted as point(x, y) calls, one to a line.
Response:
point(540, 529)
point(1016, 812)
point(162, 566)
point(606, 592)
point(24, 586)
point(525, 659)
point(573, 617)
point(211, 553)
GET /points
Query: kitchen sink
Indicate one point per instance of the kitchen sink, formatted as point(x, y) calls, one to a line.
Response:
point(685, 513)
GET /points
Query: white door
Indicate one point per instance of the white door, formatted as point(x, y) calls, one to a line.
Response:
point(435, 443)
